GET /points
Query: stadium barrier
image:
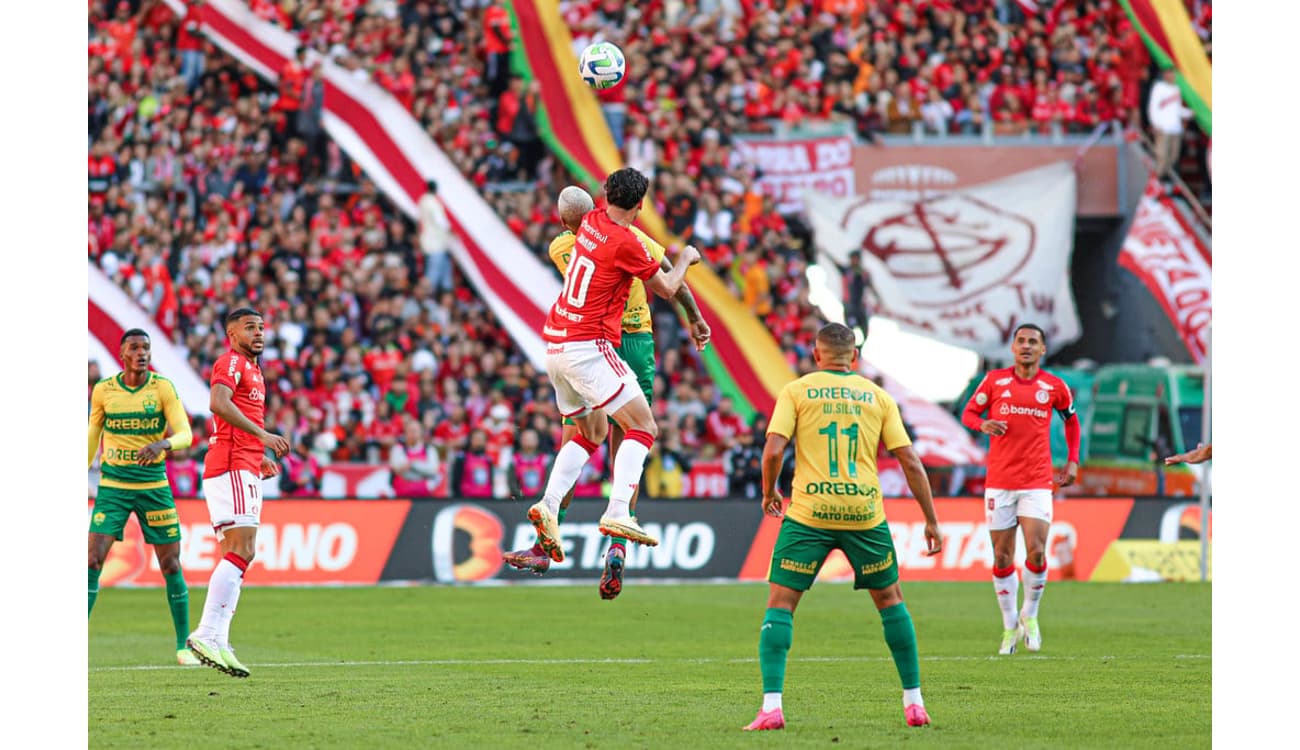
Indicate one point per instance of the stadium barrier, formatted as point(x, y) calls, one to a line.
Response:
point(305, 542)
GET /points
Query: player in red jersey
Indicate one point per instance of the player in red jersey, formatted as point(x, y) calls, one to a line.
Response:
point(591, 380)
point(1018, 488)
point(233, 471)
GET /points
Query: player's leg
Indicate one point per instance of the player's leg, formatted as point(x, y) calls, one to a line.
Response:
point(632, 412)
point(234, 508)
point(875, 568)
point(796, 557)
point(160, 525)
point(638, 351)
point(1000, 514)
point(1035, 520)
point(107, 522)
point(611, 578)
point(178, 599)
point(568, 464)
point(99, 546)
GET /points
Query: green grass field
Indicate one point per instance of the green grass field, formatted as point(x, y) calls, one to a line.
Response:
point(665, 666)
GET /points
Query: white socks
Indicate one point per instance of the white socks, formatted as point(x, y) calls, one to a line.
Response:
point(1007, 589)
point(628, 464)
point(771, 701)
point(912, 696)
point(219, 606)
point(1034, 585)
point(568, 465)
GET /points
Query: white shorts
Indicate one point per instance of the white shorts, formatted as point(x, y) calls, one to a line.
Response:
point(234, 499)
point(1003, 507)
point(589, 375)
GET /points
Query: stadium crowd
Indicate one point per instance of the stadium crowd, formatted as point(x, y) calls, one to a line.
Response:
point(208, 189)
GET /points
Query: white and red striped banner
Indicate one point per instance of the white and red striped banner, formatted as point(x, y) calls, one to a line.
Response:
point(381, 136)
point(111, 313)
point(1174, 263)
point(939, 439)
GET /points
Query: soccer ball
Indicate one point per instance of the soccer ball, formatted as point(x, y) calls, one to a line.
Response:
point(602, 65)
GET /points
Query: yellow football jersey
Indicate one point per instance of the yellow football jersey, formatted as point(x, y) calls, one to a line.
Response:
point(128, 419)
point(636, 314)
point(837, 421)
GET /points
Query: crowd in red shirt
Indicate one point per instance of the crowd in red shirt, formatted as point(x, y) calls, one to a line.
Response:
point(201, 198)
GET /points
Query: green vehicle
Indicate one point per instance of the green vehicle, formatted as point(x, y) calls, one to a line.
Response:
point(1139, 414)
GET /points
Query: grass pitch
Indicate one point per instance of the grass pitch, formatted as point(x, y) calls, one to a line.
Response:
point(663, 666)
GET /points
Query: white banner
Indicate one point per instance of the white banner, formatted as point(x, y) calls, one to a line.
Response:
point(110, 314)
point(964, 267)
point(1174, 264)
point(790, 169)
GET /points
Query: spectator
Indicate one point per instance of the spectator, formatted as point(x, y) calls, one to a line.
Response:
point(936, 113)
point(300, 469)
point(857, 287)
point(435, 239)
point(184, 474)
point(745, 460)
point(668, 465)
point(415, 465)
point(497, 40)
point(1167, 113)
point(472, 470)
point(724, 425)
point(311, 126)
point(529, 467)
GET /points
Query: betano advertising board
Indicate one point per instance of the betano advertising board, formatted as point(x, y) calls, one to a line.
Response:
point(359, 542)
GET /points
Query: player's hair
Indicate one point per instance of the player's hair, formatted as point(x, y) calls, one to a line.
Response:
point(573, 204)
point(626, 188)
point(240, 312)
point(1041, 333)
point(836, 337)
point(133, 332)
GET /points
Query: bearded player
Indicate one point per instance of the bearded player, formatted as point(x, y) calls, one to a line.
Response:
point(590, 379)
point(132, 412)
point(637, 349)
point(1019, 401)
point(232, 481)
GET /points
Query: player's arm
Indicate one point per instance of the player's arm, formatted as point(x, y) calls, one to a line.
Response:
point(1202, 453)
point(899, 444)
point(667, 285)
point(973, 415)
point(1073, 431)
point(222, 405)
point(95, 428)
point(700, 331)
point(179, 424)
point(779, 430)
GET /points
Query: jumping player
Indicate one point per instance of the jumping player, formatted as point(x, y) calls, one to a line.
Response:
point(837, 419)
point(132, 412)
point(637, 349)
point(232, 481)
point(1018, 489)
point(591, 380)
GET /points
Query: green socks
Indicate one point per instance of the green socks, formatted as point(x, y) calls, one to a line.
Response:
point(178, 598)
point(92, 588)
point(774, 641)
point(901, 637)
point(559, 517)
point(619, 539)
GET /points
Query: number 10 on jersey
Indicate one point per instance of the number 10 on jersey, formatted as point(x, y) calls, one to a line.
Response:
point(578, 280)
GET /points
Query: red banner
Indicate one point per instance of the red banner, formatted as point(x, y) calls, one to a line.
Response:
point(787, 168)
point(299, 542)
point(1174, 264)
point(1082, 531)
point(706, 479)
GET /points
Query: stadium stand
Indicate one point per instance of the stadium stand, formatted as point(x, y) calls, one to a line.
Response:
point(207, 188)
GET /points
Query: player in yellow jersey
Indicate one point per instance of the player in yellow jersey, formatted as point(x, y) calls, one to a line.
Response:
point(838, 419)
point(132, 412)
point(637, 350)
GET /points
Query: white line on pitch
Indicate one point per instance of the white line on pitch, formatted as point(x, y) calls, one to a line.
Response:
point(488, 662)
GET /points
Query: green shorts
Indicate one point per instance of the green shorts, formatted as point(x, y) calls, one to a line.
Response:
point(155, 509)
point(638, 351)
point(800, 551)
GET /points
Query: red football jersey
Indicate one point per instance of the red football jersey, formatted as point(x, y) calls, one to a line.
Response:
point(606, 257)
point(1020, 459)
point(230, 448)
